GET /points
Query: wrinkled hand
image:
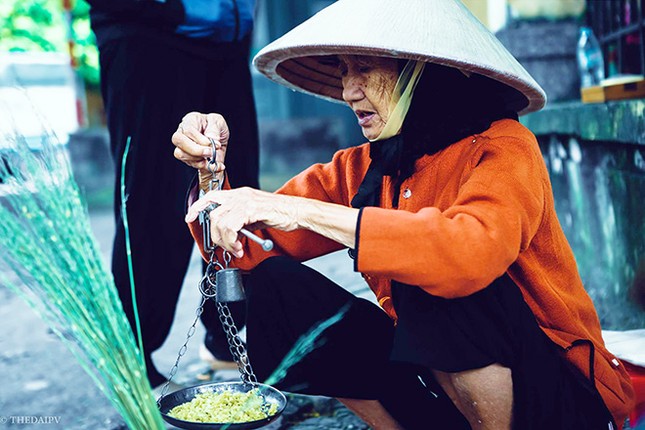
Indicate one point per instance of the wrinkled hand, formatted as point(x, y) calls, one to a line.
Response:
point(193, 146)
point(245, 207)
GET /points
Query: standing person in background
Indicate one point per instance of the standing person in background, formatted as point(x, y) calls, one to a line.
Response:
point(158, 61)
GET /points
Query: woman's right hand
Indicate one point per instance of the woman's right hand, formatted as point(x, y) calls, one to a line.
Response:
point(193, 145)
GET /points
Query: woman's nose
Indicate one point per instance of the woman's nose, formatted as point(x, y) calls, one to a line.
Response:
point(352, 88)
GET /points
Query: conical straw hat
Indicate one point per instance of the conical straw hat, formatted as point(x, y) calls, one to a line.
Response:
point(437, 31)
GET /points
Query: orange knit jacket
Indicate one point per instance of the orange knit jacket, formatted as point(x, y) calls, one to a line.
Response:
point(479, 208)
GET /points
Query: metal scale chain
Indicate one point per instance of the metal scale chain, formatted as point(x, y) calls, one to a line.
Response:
point(235, 344)
point(184, 347)
point(208, 289)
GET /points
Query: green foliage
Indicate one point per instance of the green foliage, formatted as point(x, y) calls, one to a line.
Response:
point(85, 51)
point(31, 25)
point(41, 26)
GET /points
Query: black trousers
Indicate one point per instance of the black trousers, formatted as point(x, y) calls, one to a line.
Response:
point(365, 356)
point(147, 88)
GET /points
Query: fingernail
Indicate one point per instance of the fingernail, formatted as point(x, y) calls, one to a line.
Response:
point(207, 152)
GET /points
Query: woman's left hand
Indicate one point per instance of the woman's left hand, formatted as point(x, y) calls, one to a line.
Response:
point(245, 207)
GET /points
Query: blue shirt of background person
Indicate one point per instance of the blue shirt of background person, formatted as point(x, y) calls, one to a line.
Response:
point(201, 21)
point(221, 20)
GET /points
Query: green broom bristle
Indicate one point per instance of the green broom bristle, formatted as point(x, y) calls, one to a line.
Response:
point(51, 260)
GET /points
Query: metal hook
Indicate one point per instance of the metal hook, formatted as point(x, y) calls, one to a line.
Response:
point(212, 141)
point(227, 259)
point(209, 291)
point(212, 167)
point(211, 272)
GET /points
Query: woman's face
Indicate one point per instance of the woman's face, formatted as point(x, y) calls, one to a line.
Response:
point(368, 84)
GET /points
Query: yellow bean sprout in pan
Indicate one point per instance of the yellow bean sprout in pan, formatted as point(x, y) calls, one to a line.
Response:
point(226, 406)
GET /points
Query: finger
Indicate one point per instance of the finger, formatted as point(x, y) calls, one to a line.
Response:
point(196, 162)
point(255, 226)
point(216, 128)
point(193, 125)
point(193, 117)
point(200, 205)
point(216, 235)
point(194, 120)
point(228, 228)
point(234, 248)
point(189, 146)
point(215, 167)
point(196, 135)
point(194, 210)
point(230, 242)
point(237, 249)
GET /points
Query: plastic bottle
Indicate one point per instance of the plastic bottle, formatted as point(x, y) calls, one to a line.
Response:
point(590, 62)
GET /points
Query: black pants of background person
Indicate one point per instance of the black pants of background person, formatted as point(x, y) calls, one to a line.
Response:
point(147, 88)
point(365, 356)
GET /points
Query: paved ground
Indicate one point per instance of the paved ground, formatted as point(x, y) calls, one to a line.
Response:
point(41, 379)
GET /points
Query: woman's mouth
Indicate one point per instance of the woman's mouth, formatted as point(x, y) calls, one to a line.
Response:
point(364, 117)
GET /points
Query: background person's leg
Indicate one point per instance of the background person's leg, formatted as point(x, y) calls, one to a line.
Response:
point(232, 97)
point(148, 88)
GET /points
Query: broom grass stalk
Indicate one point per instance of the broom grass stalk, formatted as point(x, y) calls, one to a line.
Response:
point(128, 248)
point(47, 243)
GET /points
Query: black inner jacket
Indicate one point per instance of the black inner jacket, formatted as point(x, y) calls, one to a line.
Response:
point(447, 106)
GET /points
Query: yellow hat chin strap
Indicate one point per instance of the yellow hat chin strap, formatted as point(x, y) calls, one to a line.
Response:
point(401, 98)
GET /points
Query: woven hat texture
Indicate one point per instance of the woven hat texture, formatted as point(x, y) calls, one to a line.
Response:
point(436, 31)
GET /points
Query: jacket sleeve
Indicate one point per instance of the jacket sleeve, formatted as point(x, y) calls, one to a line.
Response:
point(462, 249)
point(324, 182)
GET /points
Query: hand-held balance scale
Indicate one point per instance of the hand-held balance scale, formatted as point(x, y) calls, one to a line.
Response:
point(223, 284)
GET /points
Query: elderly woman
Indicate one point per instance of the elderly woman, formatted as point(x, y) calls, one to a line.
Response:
point(448, 213)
